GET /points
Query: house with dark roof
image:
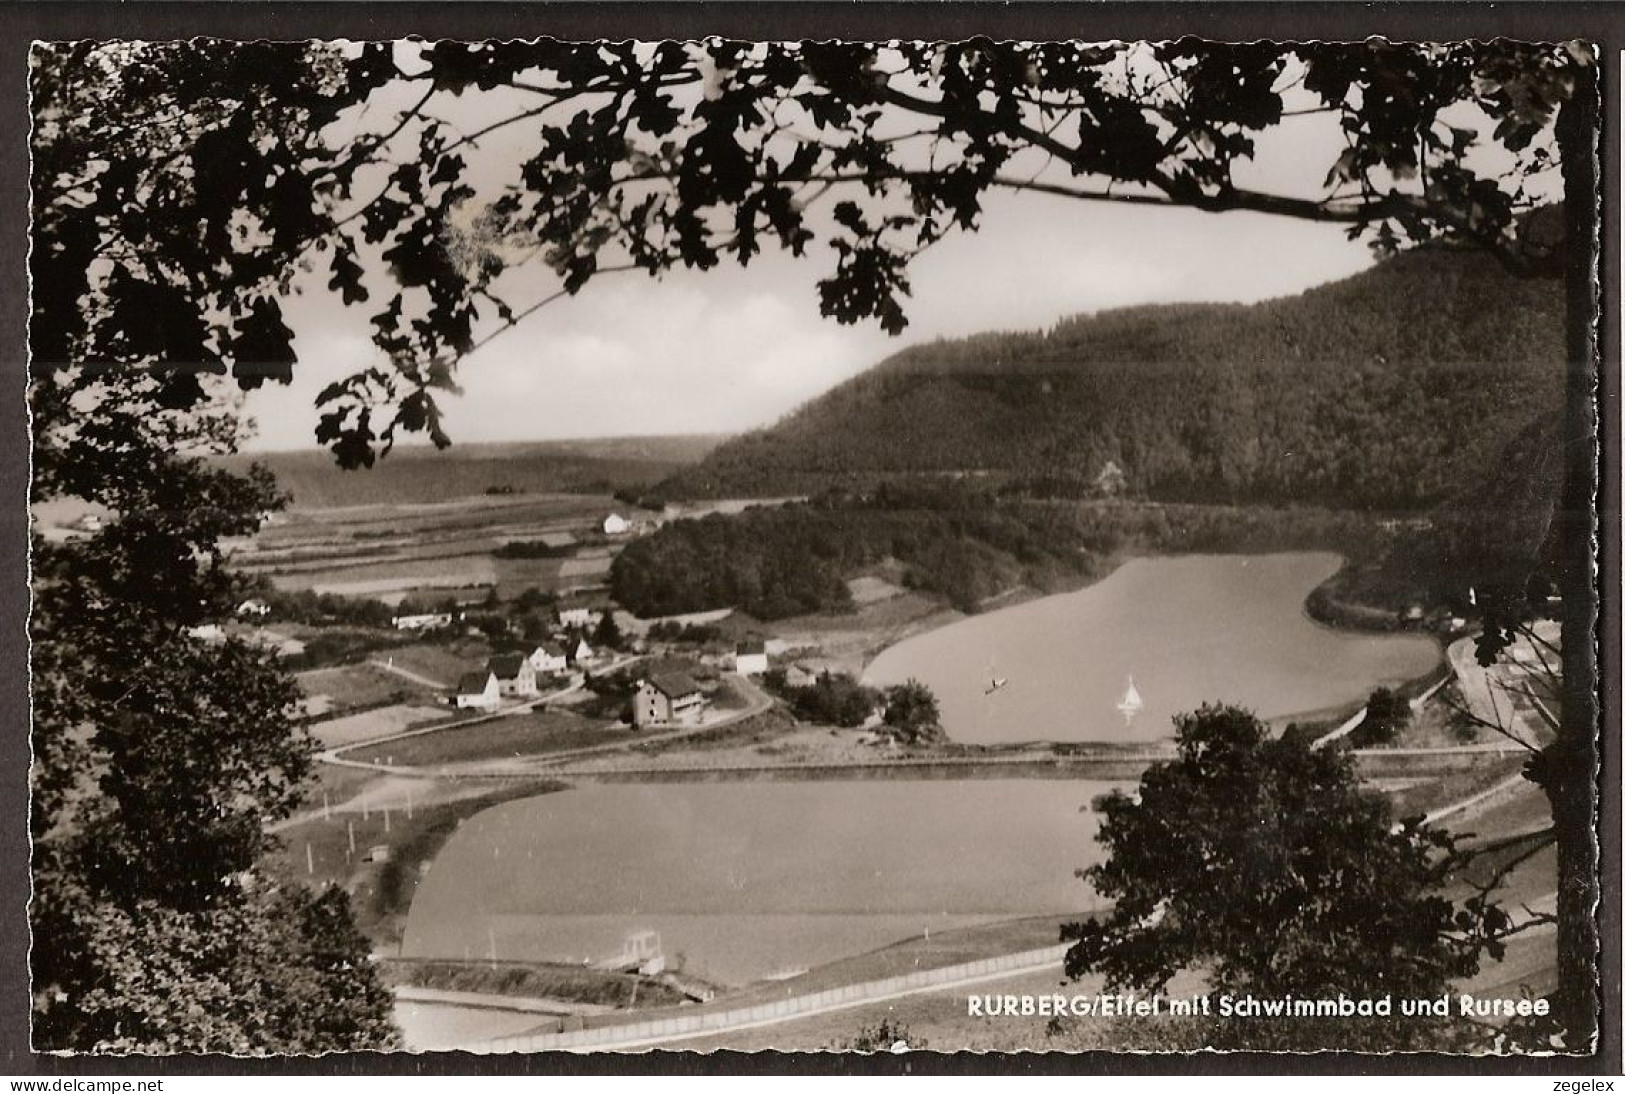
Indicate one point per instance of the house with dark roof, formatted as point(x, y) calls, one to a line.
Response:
point(477, 691)
point(516, 676)
point(549, 657)
point(668, 698)
point(750, 657)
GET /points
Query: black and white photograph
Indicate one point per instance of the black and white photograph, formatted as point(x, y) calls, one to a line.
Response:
point(847, 546)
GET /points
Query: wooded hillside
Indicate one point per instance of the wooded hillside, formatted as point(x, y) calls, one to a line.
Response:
point(1387, 389)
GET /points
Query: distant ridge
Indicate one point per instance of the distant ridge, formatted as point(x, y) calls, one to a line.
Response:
point(425, 474)
point(1389, 389)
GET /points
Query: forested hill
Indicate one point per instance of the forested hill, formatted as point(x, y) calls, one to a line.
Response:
point(1386, 389)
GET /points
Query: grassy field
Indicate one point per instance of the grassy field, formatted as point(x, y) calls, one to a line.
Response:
point(350, 686)
point(441, 663)
point(536, 733)
point(369, 725)
point(566, 983)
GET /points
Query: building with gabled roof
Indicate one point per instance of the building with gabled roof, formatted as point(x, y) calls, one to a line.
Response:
point(667, 698)
point(516, 676)
point(478, 691)
point(750, 657)
point(549, 657)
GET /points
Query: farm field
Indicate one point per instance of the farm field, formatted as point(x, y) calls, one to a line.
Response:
point(369, 725)
point(346, 687)
point(388, 552)
point(531, 734)
point(443, 664)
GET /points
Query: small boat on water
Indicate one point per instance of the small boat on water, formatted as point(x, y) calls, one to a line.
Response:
point(1131, 703)
point(995, 684)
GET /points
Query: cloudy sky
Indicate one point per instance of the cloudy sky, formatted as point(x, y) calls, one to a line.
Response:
point(730, 349)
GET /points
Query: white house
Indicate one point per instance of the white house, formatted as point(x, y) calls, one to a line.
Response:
point(426, 622)
point(582, 652)
point(254, 606)
point(579, 617)
point(750, 657)
point(797, 677)
point(478, 690)
point(667, 699)
point(515, 675)
point(548, 657)
point(208, 632)
point(280, 644)
point(616, 525)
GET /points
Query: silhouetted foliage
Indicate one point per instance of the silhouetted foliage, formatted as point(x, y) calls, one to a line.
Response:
point(1266, 864)
point(1385, 715)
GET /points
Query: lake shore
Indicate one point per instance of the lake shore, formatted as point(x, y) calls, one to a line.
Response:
point(1187, 629)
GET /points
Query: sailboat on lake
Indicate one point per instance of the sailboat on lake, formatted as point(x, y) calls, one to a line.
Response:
point(1131, 703)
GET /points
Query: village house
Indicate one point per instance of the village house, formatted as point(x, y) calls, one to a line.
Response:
point(579, 617)
point(549, 657)
point(208, 632)
point(582, 652)
point(805, 672)
point(797, 677)
point(750, 657)
point(254, 606)
point(667, 699)
point(616, 525)
point(280, 644)
point(478, 691)
point(425, 622)
point(515, 675)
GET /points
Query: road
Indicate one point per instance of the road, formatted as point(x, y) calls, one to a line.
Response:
point(335, 756)
point(549, 762)
point(636, 1035)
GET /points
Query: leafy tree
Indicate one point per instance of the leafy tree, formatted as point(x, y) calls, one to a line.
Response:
point(1265, 863)
point(160, 761)
point(835, 698)
point(886, 1035)
point(607, 635)
point(911, 712)
point(1385, 715)
point(655, 156)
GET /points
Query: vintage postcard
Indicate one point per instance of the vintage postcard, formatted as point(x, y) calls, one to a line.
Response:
point(973, 545)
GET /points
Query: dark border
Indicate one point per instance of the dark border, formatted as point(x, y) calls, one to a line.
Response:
point(21, 23)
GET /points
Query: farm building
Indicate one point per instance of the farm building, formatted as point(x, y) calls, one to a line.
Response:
point(667, 699)
point(581, 653)
point(516, 676)
point(478, 691)
point(548, 657)
point(750, 657)
point(254, 606)
point(616, 525)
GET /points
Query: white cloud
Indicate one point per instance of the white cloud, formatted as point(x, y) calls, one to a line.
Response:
point(731, 349)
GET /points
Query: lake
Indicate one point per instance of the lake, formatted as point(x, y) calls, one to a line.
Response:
point(747, 880)
point(1189, 629)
